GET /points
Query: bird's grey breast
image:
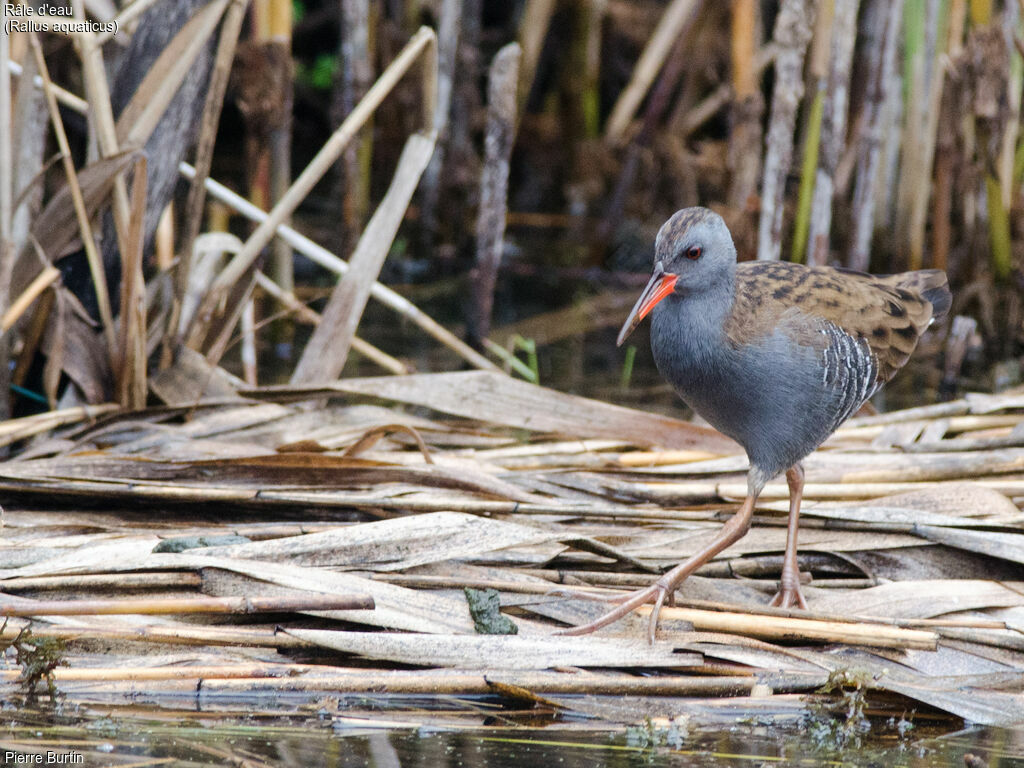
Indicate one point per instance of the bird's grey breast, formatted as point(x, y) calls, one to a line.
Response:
point(692, 352)
point(779, 395)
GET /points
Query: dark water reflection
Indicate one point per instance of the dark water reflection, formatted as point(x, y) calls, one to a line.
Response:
point(336, 739)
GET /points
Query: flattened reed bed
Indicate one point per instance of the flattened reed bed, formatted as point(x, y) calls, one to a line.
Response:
point(243, 501)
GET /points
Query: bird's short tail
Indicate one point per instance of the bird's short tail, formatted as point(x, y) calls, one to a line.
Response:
point(932, 285)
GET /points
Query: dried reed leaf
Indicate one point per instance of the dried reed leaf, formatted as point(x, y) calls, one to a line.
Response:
point(1009, 546)
point(57, 225)
point(396, 607)
point(192, 378)
point(501, 652)
point(52, 346)
point(946, 661)
point(955, 499)
point(95, 558)
point(327, 349)
point(257, 472)
point(499, 399)
point(130, 375)
point(391, 545)
point(876, 512)
point(919, 599)
point(72, 346)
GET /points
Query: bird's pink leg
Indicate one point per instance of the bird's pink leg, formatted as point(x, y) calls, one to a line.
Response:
point(731, 532)
point(789, 585)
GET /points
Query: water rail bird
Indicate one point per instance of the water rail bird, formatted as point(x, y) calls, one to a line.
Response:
point(773, 354)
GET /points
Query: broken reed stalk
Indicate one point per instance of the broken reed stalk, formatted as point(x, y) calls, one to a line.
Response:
point(662, 40)
point(164, 605)
point(664, 493)
point(544, 587)
point(28, 138)
point(955, 424)
point(274, 32)
point(122, 581)
point(65, 97)
point(508, 357)
point(662, 458)
point(233, 636)
point(298, 678)
point(490, 223)
point(945, 146)
point(1015, 78)
point(327, 349)
point(881, 77)
point(448, 33)
point(785, 628)
point(423, 43)
point(864, 490)
point(936, 411)
point(15, 309)
point(101, 119)
point(821, 43)
point(248, 347)
point(150, 674)
point(230, 29)
point(913, 85)
point(767, 610)
point(92, 255)
point(998, 215)
point(999, 230)
point(938, 26)
point(533, 29)
point(744, 160)
point(833, 129)
point(793, 27)
point(942, 194)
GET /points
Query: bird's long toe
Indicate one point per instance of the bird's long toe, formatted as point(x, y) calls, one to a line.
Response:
point(628, 604)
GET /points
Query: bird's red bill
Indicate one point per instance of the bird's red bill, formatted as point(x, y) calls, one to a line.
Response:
point(658, 287)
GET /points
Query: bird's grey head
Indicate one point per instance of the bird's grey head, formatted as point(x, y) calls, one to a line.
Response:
point(695, 245)
point(694, 252)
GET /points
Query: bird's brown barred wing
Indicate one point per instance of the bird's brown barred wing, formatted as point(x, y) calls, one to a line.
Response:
point(848, 315)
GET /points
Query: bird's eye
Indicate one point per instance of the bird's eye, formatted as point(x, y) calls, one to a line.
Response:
point(693, 252)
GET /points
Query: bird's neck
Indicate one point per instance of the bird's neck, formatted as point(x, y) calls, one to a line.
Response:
point(704, 309)
point(688, 335)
